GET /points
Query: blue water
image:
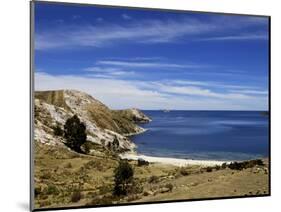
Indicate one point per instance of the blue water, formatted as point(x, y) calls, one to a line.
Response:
point(211, 135)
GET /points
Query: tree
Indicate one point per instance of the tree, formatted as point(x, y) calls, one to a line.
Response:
point(115, 144)
point(75, 133)
point(58, 131)
point(123, 178)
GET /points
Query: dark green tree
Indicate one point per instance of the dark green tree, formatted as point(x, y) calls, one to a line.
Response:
point(123, 178)
point(115, 144)
point(58, 131)
point(75, 133)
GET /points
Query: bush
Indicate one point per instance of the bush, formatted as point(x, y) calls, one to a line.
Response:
point(153, 179)
point(223, 166)
point(58, 131)
point(142, 162)
point(169, 186)
point(183, 171)
point(76, 196)
point(123, 178)
point(37, 191)
point(217, 167)
point(209, 169)
point(115, 144)
point(46, 175)
point(245, 164)
point(236, 166)
point(52, 190)
point(104, 200)
point(68, 165)
point(75, 133)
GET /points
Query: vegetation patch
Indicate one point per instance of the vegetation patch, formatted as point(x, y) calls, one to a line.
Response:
point(245, 164)
point(123, 178)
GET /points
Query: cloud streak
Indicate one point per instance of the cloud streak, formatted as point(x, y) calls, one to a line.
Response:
point(152, 95)
point(142, 64)
point(236, 38)
point(146, 31)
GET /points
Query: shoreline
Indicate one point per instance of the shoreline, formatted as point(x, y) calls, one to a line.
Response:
point(142, 130)
point(172, 161)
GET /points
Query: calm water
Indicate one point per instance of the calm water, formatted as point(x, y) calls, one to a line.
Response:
point(216, 135)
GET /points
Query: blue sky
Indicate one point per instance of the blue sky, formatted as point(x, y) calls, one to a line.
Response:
point(152, 59)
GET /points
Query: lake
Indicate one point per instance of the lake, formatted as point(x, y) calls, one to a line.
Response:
point(206, 135)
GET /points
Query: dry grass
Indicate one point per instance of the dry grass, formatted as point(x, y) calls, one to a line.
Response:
point(73, 179)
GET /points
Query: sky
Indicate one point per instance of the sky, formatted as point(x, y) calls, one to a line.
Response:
point(152, 59)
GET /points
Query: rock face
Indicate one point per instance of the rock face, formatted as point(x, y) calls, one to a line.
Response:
point(135, 115)
point(103, 125)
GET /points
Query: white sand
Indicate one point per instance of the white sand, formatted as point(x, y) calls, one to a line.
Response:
point(172, 161)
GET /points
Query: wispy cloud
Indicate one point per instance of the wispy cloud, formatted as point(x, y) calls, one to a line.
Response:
point(145, 31)
point(255, 92)
point(152, 95)
point(237, 38)
point(103, 72)
point(203, 92)
point(142, 64)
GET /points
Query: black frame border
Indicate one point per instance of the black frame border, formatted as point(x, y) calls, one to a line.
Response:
point(31, 102)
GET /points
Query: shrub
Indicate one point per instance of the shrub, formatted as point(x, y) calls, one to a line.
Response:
point(184, 172)
point(68, 165)
point(104, 200)
point(245, 164)
point(95, 164)
point(115, 144)
point(44, 203)
point(123, 178)
point(153, 179)
point(217, 167)
point(46, 175)
point(236, 166)
point(75, 133)
point(209, 169)
point(169, 186)
point(52, 190)
point(76, 196)
point(58, 131)
point(37, 191)
point(136, 188)
point(142, 162)
point(223, 166)
point(86, 147)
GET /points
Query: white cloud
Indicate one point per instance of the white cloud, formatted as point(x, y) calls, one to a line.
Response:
point(258, 92)
point(119, 94)
point(144, 31)
point(198, 91)
point(141, 64)
point(236, 37)
point(104, 72)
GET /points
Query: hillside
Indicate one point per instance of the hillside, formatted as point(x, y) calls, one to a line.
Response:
point(53, 108)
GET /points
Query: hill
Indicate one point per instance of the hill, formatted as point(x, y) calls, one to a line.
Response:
point(53, 108)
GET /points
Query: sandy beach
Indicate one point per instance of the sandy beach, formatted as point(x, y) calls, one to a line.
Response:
point(172, 161)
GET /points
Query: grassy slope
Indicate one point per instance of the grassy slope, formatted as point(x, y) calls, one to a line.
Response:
point(60, 172)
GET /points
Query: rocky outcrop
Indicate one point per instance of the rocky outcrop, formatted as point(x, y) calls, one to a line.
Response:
point(134, 115)
point(104, 126)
